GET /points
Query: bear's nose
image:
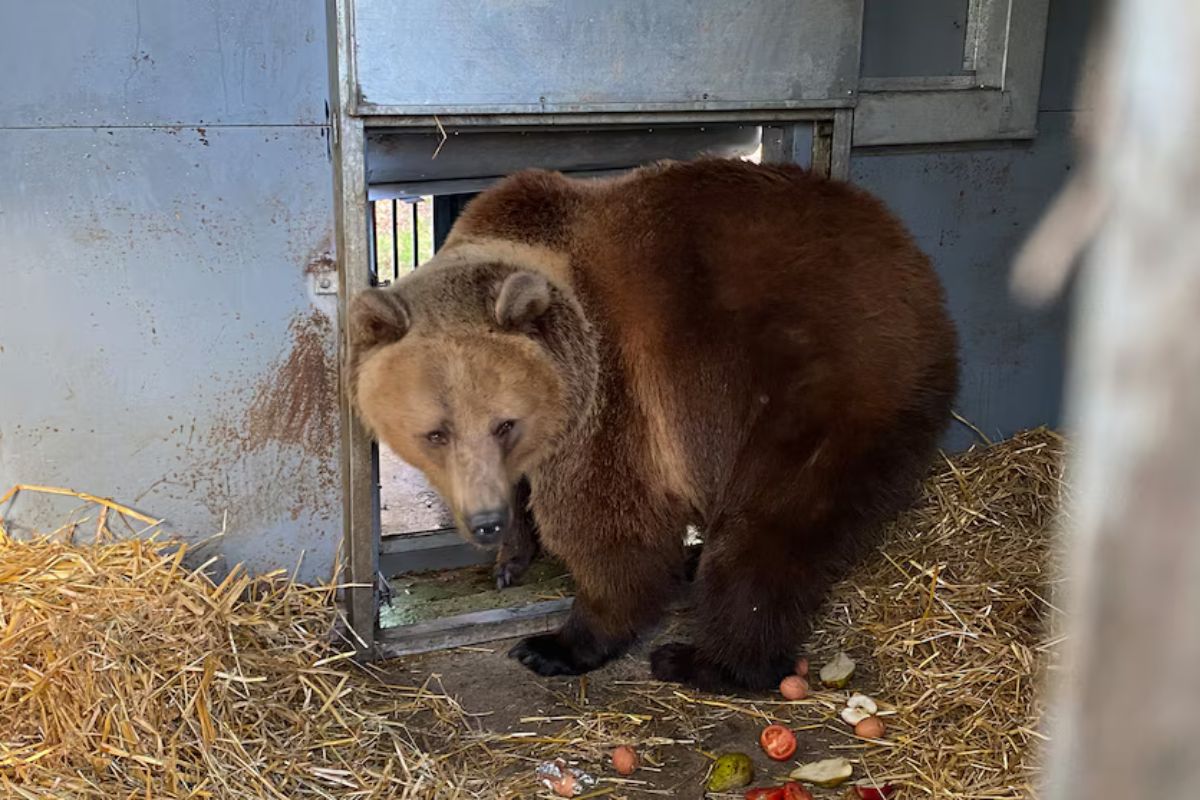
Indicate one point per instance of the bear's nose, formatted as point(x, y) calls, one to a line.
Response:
point(486, 526)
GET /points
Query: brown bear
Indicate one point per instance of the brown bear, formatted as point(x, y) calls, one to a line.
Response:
point(757, 351)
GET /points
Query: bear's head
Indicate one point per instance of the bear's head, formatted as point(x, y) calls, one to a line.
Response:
point(472, 374)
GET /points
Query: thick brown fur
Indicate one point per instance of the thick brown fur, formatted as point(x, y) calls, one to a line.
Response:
point(755, 350)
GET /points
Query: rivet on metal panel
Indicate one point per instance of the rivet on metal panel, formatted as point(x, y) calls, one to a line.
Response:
point(325, 283)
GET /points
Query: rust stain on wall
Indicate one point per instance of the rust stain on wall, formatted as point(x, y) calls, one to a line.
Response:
point(296, 403)
point(322, 257)
point(248, 466)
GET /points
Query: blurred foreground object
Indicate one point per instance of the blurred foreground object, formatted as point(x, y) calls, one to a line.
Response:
point(1127, 711)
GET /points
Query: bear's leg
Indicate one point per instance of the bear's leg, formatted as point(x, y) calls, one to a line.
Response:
point(613, 604)
point(752, 608)
point(520, 545)
point(771, 556)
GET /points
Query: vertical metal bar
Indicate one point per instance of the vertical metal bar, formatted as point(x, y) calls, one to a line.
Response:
point(372, 243)
point(841, 144)
point(822, 148)
point(444, 209)
point(395, 241)
point(975, 26)
point(360, 518)
point(416, 234)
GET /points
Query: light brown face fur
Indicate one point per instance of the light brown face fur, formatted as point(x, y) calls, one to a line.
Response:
point(473, 412)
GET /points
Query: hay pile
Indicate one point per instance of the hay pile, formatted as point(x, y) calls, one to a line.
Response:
point(954, 619)
point(124, 674)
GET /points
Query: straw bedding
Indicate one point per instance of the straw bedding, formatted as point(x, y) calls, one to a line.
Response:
point(125, 674)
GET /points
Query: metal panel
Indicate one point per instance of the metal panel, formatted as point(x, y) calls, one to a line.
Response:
point(891, 29)
point(970, 209)
point(1067, 64)
point(512, 56)
point(962, 114)
point(160, 339)
point(942, 117)
point(168, 62)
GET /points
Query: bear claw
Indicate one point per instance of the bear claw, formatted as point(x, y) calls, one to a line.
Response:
point(545, 655)
point(509, 571)
point(506, 575)
point(510, 566)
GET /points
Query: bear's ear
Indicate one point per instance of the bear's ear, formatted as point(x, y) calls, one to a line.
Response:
point(377, 316)
point(523, 297)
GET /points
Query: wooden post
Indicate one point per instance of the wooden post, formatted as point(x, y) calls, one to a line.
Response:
point(1126, 716)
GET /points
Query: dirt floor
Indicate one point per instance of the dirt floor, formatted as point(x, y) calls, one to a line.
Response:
point(686, 727)
point(407, 503)
point(949, 624)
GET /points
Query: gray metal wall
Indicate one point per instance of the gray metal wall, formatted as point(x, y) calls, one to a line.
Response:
point(970, 207)
point(165, 191)
point(165, 195)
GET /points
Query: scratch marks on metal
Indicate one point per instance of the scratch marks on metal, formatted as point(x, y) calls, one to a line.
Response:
point(297, 403)
point(273, 454)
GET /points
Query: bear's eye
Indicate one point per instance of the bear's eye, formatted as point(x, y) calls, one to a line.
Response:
point(437, 438)
point(504, 428)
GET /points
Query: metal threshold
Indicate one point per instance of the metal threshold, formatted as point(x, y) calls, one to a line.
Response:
point(475, 627)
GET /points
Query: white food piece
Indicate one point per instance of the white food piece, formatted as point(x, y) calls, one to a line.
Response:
point(863, 702)
point(853, 716)
point(837, 672)
point(827, 774)
point(858, 708)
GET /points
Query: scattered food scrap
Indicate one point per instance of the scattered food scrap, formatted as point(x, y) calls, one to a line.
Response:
point(837, 673)
point(827, 773)
point(731, 771)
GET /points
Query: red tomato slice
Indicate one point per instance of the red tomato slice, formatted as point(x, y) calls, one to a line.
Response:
point(769, 793)
point(778, 742)
point(794, 791)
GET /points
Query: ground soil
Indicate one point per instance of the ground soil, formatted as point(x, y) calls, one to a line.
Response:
point(407, 503)
point(503, 693)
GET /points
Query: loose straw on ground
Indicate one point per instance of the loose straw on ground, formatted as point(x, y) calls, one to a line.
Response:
point(125, 674)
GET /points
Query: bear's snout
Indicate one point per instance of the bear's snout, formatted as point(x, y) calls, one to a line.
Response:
point(488, 526)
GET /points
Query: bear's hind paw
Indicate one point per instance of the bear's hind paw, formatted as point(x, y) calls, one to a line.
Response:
point(674, 662)
point(545, 655)
point(679, 662)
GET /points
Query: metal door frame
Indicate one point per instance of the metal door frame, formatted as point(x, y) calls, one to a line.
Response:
point(831, 141)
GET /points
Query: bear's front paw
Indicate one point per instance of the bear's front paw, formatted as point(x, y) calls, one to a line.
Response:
point(546, 655)
point(674, 662)
point(509, 570)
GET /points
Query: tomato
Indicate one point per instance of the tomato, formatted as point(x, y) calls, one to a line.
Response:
point(794, 791)
point(789, 791)
point(778, 742)
point(769, 793)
